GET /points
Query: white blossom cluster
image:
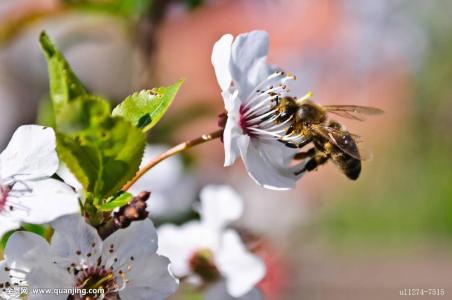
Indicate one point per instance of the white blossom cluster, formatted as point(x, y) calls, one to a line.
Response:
point(140, 261)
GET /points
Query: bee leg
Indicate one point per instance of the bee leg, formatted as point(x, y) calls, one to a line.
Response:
point(302, 155)
point(304, 143)
point(287, 144)
point(313, 163)
point(296, 145)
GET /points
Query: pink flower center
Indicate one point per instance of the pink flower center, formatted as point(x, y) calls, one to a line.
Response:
point(244, 121)
point(4, 193)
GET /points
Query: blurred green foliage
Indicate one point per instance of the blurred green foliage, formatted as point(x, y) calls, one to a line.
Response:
point(407, 196)
point(125, 8)
point(131, 11)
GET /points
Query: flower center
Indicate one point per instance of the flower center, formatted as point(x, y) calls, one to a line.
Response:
point(245, 122)
point(202, 263)
point(4, 193)
point(10, 189)
point(259, 115)
point(94, 280)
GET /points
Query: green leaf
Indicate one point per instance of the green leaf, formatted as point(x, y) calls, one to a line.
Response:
point(145, 108)
point(116, 201)
point(38, 229)
point(64, 84)
point(5, 237)
point(103, 158)
point(83, 160)
point(82, 113)
point(102, 151)
point(129, 9)
point(45, 115)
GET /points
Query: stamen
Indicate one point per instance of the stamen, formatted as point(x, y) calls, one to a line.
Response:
point(263, 82)
point(272, 92)
point(261, 117)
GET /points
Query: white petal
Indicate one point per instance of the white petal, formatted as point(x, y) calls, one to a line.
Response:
point(232, 104)
point(248, 67)
point(149, 279)
point(5, 280)
point(137, 240)
point(48, 200)
point(241, 269)
point(7, 224)
point(233, 139)
point(180, 243)
point(25, 250)
point(172, 245)
point(221, 56)
point(66, 174)
point(218, 291)
point(220, 205)
point(30, 153)
point(75, 241)
point(268, 165)
point(4, 275)
point(49, 275)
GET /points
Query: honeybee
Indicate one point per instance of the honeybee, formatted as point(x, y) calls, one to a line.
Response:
point(309, 123)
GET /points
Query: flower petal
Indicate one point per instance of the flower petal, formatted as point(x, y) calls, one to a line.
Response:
point(7, 281)
point(248, 56)
point(149, 279)
point(137, 240)
point(241, 269)
point(218, 291)
point(4, 275)
point(75, 241)
point(25, 250)
point(66, 174)
point(220, 205)
point(49, 275)
point(221, 56)
point(7, 224)
point(30, 153)
point(48, 200)
point(269, 165)
point(233, 139)
point(180, 243)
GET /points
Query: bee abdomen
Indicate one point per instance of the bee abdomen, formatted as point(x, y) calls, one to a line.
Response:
point(352, 167)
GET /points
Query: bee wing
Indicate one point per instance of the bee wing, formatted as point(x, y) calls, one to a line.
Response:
point(349, 143)
point(353, 112)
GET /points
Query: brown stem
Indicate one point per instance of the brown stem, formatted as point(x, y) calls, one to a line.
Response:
point(170, 152)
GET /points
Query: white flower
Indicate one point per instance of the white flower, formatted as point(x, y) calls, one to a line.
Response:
point(209, 253)
point(10, 287)
point(166, 201)
point(248, 87)
point(218, 291)
point(27, 193)
point(124, 265)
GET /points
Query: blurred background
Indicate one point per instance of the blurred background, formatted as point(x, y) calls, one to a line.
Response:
point(330, 238)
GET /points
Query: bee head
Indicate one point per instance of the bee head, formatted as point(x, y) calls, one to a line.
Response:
point(287, 107)
point(309, 112)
